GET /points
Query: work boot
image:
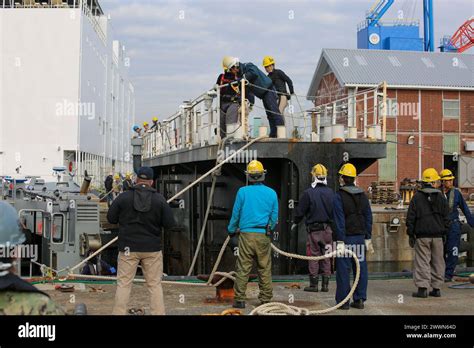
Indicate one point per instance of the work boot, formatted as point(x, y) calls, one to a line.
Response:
point(435, 293)
point(325, 285)
point(359, 304)
point(313, 284)
point(422, 293)
point(345, 307)
point(239, 304)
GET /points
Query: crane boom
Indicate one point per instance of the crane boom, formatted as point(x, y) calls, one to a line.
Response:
point(463, 38)
point(377, 11)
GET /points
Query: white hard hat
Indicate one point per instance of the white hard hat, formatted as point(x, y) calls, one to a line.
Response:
point(229, 62)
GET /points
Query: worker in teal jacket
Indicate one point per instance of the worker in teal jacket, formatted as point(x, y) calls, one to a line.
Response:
point(254, 216)
point(453, 240)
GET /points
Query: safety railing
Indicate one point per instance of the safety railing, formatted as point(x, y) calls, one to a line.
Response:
point(390, 23)
point(91, 9)
point(354, 115)
point(196, 123)
point(40, 3)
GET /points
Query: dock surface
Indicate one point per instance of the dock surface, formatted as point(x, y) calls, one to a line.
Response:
point(385, 297)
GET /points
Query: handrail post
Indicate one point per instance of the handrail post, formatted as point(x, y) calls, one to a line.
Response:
point(384, 111)
point(243, 108)
point(218, 113)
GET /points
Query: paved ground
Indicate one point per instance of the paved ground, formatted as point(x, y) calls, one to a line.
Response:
point(386, 297)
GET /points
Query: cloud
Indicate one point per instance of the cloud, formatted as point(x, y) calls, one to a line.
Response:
point(176, 46)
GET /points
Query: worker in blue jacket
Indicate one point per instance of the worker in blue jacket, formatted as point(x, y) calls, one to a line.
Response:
point(453, 240)
point(260, 86)
point(353, 224)
point(254, 216)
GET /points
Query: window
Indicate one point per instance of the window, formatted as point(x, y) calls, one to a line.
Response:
point(451, 108)
point(39, 223)
point(387, 166)
point(57, 231)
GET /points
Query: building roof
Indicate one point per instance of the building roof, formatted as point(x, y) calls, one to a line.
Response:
point(401, 69)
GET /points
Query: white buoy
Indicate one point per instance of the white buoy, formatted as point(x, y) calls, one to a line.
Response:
point(338, 132)
point(281, 132)
point(235, 130)
point(352, 133)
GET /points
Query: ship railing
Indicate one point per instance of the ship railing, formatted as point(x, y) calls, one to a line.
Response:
point(40, 3)
point(92, 11)
point(195, 124)
point(390, 23)
point(356, 114)
point(352, 114)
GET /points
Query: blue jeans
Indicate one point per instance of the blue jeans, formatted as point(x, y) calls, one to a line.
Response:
point(270, 102)
point(343, 270)
point(451, 249)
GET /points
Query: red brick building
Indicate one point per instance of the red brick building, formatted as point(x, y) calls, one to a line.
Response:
point(430, 108)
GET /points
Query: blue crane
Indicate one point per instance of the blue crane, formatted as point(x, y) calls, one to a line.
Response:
point(400, 35)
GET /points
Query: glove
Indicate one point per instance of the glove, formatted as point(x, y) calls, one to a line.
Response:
point(369, 247)
point(340, 249)
point(233, 242)
point(411, 241)
point(293, 227)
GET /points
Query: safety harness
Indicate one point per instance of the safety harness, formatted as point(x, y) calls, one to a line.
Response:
point(224, 81)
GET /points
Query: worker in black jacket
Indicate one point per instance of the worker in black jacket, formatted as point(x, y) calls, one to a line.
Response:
point(427, 226)
point(280, 80)
point(229, 101)
point(316, 205)
point(141, 213)
point(353, 230)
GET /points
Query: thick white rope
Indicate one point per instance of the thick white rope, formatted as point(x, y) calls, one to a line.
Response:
point(277, 308)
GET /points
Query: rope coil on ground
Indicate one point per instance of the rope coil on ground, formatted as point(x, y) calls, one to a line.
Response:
point(277, 308)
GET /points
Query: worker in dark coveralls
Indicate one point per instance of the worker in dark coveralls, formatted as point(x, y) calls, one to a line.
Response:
point(316, 206)
point(456, 202)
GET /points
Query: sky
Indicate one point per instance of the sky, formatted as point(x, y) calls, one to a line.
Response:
point(176, 47)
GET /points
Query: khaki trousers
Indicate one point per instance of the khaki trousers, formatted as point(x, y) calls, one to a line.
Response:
point(429, 263)
point(152, 266)
point(254, 246)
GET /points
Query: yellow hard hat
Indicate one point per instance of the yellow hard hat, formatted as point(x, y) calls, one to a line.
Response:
point(430, 175)
point(268, 60)
point(348, 170)
point(155, 119)
point(319, 171)
point(446, 174)
point(116, 176)
point(145, 124)
point(128, 176)
point(228, 62)
point(255, 167)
